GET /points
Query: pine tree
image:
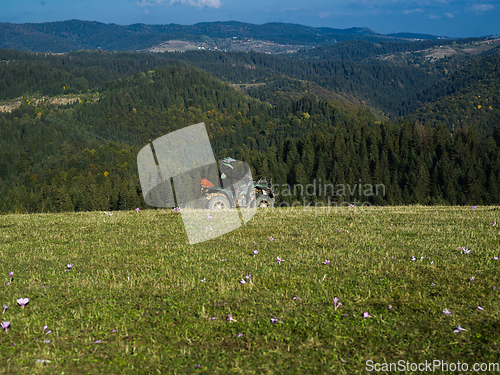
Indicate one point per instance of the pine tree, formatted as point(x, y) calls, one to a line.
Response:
point(88, 204)
point(62, 202)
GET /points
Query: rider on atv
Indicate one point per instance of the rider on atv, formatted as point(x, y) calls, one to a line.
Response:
point(227, 170)
point(231, 170)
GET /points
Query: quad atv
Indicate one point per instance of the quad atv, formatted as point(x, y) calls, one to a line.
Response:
point(249, 194)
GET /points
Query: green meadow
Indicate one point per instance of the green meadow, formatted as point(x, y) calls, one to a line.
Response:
point(140, 299)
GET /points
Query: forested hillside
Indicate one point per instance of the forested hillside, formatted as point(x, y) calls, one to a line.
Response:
point(82, 156)
point(387, 87)
point(466, 97)
point(52, 154)
point(359, 50)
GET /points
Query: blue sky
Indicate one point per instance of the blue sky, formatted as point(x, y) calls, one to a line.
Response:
point(455, 18)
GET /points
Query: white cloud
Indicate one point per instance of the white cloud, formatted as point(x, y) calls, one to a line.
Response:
point(480, 8)
point(197, 3)
point(285, 10)
point(449, 15)
point(147, 11)
point(403, 3)
point(374, 3)
point(149, 3)
point(411, 11)
point(433, 17)
point(362, 12)
point(324, 14)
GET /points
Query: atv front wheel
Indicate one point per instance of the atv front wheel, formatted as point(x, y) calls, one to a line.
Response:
point(218, 202)
point(263, 202)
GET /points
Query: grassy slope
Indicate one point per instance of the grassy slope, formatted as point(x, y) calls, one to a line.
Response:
point(136, 274)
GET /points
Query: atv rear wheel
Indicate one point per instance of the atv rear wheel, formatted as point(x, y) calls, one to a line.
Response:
point(218, 202)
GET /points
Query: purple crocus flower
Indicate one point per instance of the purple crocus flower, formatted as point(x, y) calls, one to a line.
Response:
point(472, 278)
point(137, 209)
point(230, 318)
point(391, 225)
point(46, 341)
point(11, 274)
point(240, 334)
point(390, 307)
point(209, 217)
point(495, 258)
point(296, 298)
point(255, 252)
point(474, 207)
point(5, 325)
point(271, 238)
point(413, 258)
point(465, 251)
point(459, 329)
point(97, 342)
point(70, 266)
point(480, 308)
point(326, 262)
point(279, 260)
point(23, 301)
point(5, 307)
point(242, 281)
point(366, 315)
point(275, 320)
point(447, 312)
point(335, 300)
point(203, 280)
point(177, 209)
point(44, 328)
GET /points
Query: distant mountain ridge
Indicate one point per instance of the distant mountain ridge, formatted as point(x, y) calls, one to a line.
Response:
point(73, 35)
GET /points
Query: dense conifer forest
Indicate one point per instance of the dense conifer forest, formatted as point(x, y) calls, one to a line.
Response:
point(81, 156)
